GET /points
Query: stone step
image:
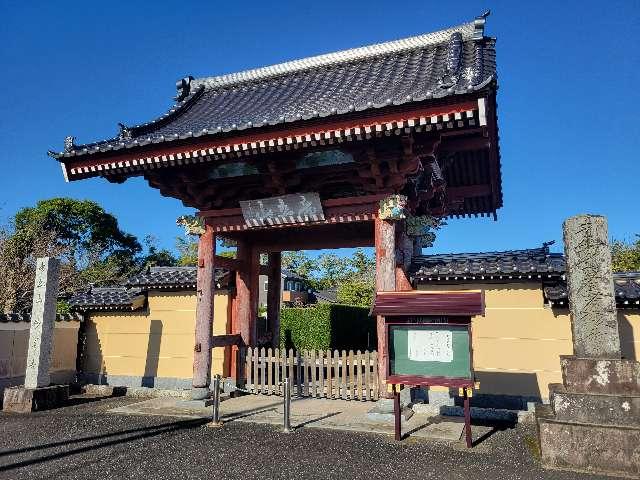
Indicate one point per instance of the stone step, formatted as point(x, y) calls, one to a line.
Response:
point(594, 375)
point(594, 408)
point(610, 449)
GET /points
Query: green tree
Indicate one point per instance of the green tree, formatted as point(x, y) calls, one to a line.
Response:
point(187, 251)
point(156, 257)
point(356, 292)
point(363, 265)
point(88, 241)
point(300, 263)
point(332, 270)
point(625, 256)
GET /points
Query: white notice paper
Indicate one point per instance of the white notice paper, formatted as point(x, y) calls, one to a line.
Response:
point(430, 346)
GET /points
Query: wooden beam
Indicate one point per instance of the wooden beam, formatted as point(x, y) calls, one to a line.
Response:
point(232, 264)
point(226, 340)
point(468, 191)
point(204, 314)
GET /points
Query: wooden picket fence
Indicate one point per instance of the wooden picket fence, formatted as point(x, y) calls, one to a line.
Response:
point(315, 373)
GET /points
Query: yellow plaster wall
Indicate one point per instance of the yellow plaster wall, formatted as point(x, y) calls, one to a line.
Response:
point(517, 344)
point(154, 342)
point(14, 339)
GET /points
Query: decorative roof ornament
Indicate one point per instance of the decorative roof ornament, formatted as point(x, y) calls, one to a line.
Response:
point(184, 88)
point(125, 132)
point(393, 207)
point(69, 143)
point(478, 24)
point(192, 225)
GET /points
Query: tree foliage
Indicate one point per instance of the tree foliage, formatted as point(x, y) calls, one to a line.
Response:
point(625, 256)
point(88, 241)
point(187, 251)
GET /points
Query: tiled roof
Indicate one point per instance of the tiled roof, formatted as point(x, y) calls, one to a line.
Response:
point(488, 265)
point(284, 273)
point(626, 285)
point(26, 317)
point(329, 295)
point(446, 63)
point(108, 298)
point(171, 277)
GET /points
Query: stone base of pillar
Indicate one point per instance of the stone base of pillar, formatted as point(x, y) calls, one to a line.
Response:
point(25, 400)
point(592, 423)
point(382, 410)
point(199, 393)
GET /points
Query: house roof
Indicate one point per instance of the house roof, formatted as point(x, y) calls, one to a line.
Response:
point(171, 277)
point(285, 273)
point(451, 62)
point(626, 286)
point(108, 298)
point(539, 262)
point(329, 295)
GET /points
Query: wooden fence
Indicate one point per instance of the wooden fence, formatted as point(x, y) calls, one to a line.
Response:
point(315, 373)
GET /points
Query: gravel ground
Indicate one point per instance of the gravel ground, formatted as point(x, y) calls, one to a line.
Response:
point(84, 441)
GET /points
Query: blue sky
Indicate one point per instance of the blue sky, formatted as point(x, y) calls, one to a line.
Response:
point(569, 76)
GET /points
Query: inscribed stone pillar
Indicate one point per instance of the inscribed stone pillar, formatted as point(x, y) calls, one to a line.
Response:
point(43, 316)
point(204, 315)
point(590, 285)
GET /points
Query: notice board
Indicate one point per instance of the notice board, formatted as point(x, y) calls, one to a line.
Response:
point(430, 350)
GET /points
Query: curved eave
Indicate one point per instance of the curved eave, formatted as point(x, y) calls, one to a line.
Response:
point(215, 132)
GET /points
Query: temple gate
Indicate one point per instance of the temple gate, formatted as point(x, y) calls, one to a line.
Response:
point(364, 147)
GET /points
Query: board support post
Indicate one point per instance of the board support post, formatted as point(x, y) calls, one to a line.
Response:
point(467, 417)
point(397, 414)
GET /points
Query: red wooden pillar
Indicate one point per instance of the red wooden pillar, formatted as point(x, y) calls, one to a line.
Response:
point(246, 301)
point(404, 253)
point(385, 282)
point(274, 295)
point(204, 315)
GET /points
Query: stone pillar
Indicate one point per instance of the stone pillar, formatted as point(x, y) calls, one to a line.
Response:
point(385, 246)
point(43, 316)
point(593, 420)
point(592, 302)
point(204, 315)
point(274, 295)
point(37, 393)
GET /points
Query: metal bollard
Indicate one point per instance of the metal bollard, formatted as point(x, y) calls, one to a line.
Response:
point(287, 407)
point(215, 421)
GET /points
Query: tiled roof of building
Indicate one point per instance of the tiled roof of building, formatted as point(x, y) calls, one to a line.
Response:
point(626, 285)
point(171, 277)
point(450, 62)
point(285, 273)
point(538, 262)
point(329, 295)
point(26, 317)
point(108, 298)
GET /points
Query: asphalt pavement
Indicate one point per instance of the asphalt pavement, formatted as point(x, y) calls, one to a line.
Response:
point(85, 441)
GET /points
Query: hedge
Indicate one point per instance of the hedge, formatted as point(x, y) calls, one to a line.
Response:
point(327, 326)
